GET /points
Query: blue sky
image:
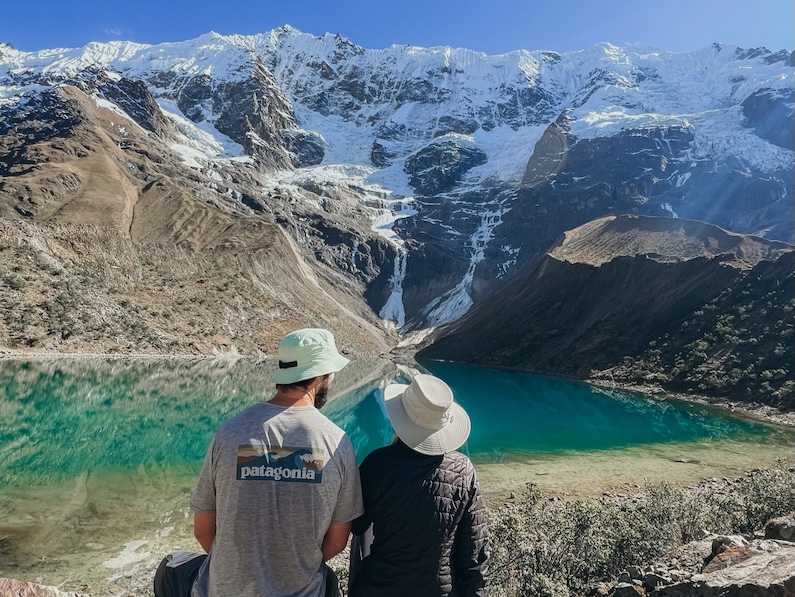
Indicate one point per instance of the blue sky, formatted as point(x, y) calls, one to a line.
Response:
point(493, 26)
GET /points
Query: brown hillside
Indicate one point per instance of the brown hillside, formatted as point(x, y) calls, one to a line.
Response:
point(592, 303)
point(73, 170)
point(70, 288)
point(663, 239)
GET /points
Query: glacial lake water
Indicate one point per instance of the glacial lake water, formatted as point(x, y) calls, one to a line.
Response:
point(98, 457)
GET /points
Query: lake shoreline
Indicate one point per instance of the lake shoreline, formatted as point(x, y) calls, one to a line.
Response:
point(754, 410)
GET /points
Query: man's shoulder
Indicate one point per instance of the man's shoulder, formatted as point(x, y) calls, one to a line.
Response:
point(460, 457)
point(459, 466)
point(318, 425)
point(322, 423)
point(244, 423)
point(243, 417)
point(312, 420)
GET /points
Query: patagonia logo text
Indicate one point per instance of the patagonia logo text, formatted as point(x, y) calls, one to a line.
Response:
point(257, 462)
point(277, 473)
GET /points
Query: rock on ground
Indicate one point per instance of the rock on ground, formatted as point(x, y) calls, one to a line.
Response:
point(16, 588)
point(761, 568)
point(782, 528)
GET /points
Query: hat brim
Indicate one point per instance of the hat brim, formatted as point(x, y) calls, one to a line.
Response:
point(330, 364)
point(433, 442)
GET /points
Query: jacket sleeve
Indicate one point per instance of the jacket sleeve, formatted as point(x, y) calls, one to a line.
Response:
point(471, 549)
point(363, 522)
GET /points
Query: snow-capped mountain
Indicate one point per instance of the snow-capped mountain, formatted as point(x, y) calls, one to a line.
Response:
point(465, 166)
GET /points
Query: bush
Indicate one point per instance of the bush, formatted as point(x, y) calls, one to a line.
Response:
point(764, 495)
point(552, 548)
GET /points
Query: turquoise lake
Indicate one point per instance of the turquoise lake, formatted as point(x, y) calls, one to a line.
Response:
point(62, 419)
point(98, 457)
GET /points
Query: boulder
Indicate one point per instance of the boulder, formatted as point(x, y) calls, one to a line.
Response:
point(762, 568)
point(725, 542)
point(678, 575)
point(624, 589)
point(624, 577)
point(727, 557)
point(600, 590)
point(782, 528)
point(652, 580)
point(17, 588)
point(635, 572)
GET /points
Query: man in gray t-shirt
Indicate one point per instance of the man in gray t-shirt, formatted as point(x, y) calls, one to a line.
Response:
point(279, 486)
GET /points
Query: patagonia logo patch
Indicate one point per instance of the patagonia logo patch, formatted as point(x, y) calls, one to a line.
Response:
point(270, 463)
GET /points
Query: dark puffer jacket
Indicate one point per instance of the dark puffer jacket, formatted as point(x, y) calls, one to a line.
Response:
point(430, 529)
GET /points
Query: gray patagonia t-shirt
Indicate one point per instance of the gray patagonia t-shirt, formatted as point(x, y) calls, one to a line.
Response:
point(276, 478)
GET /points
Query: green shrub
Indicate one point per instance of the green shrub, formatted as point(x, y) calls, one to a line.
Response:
point(542, 547)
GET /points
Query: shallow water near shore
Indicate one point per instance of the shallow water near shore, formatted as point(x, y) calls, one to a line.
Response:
point(98, 458)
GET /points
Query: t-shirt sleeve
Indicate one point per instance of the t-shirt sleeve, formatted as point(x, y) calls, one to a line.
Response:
point(349, 502)
point(203, 499)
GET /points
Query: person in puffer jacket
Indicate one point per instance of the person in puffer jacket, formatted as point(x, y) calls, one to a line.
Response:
point(423, 501)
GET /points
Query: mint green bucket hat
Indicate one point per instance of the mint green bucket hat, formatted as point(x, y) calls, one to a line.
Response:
point(307, 353)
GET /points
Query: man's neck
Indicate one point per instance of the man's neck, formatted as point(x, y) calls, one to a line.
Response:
point(292, 399)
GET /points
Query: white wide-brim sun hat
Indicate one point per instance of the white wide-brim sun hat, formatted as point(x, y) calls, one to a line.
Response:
point(307, 353)
point(425, 417)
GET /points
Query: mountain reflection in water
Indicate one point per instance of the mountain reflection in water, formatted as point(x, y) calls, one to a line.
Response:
point(62, 418)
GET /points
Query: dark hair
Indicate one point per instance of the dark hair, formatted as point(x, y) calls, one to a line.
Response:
point(304, 383)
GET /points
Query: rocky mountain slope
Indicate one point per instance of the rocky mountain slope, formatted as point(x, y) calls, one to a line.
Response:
point(418, 178)
point(109, 243)
point(636, 299)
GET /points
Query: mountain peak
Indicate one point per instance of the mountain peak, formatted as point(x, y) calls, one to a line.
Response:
point(6, 51)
